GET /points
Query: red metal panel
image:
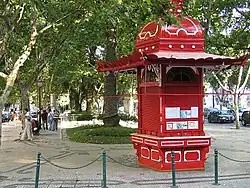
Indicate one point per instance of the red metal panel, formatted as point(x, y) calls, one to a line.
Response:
point(150, 110)
point(190, 151)
point(139, 70)
point(185, 102)
point(170, 58)
point(177, 156)
point(192, 155)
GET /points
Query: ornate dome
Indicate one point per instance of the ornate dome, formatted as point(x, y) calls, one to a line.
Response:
point(173, 45)
point(187, 36)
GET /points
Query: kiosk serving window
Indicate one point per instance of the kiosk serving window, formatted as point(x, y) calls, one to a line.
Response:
point(181, 74)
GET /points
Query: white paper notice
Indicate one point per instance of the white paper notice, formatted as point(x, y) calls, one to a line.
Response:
point(194, 112)
point(169, 126)
point(173, 112)
point(193, 125)
point(180, 125)
point(185, 113)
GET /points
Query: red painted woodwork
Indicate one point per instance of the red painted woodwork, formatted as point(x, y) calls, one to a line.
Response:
point(150, 117)
point(176, 7)
point(155, 152)
point(169, 61)
point(187, 37)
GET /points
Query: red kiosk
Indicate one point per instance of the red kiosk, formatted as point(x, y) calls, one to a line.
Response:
point(170, 63)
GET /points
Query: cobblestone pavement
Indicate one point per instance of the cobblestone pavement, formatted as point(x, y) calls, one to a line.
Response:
point(18, 160)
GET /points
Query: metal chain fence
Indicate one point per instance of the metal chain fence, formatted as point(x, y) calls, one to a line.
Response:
point(112, 159)
point(70, 168)
point(122, 164)
point(104, 157)
point(231, 159)
point(104, 164)
point(216, 164)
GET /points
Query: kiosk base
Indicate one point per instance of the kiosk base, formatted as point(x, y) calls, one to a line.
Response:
point(155, 152)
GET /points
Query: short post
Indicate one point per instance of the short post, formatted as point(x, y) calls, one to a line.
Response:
point(216, 168)
point(37, 169)
point(104, 170)
point(173, 170)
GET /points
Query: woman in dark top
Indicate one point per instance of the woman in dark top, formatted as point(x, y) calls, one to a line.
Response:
point(44, 116)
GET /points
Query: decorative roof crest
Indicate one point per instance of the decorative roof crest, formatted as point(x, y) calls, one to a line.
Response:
point(176, 7)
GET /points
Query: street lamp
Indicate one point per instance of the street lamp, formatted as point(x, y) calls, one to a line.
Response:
point(39, 83)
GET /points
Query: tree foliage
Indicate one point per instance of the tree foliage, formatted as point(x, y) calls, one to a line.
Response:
point(83, 31)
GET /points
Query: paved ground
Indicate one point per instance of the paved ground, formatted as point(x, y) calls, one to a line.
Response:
point(17, 162)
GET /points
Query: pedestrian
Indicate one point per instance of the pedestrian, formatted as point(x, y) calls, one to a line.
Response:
point(51, 119)
point(56, 118)
point(44, 116)
point(22, 118)
point(27, 133)
point(11, 114)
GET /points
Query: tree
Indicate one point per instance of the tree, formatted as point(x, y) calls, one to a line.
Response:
point(227, 33)
point(10, 26)
point(236, 86)
point(47, 48)
point(117, 23)
point(16, 43)
point(220, 93)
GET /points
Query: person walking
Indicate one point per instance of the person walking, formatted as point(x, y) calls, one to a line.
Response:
point(51, 120)
point(27, 133)
point(22, 118)
point(56, 118)
point(44, 117)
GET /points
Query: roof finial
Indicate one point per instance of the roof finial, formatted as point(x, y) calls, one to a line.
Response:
point(176, 7)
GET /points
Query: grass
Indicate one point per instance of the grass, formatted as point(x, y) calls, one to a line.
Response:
point(97, 134)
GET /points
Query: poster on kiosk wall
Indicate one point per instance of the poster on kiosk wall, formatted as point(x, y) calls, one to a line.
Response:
point(176, 112)
point(193, 125)
point(172, 112)
point(184, 115)
point(177, 125)
point(182, 125)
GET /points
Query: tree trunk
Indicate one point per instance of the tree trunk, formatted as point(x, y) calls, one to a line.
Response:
point(236, 109)
point(75, 102)
point(213, 101)
point(78, 106)
point(110, 107)
point(24, 97)
point(99, 110)
point(71, 100)
point(1, 110)
point(221, 101)
point(110, 110)
point(222, 98)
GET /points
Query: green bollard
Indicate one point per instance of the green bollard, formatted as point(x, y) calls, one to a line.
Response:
point(37, 169)
point(104, 170)
point(173, 171)
point(216, 168)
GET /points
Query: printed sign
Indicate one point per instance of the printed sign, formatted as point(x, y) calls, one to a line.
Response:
point(194, 112)
point(185, 113)
point(193, 125)
point(177, 125)
point(172, 112)
point(169, 126)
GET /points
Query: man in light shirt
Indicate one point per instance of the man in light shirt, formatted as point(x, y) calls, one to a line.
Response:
point(51, 120)
point(27, 133)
